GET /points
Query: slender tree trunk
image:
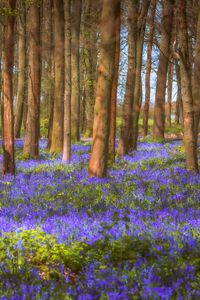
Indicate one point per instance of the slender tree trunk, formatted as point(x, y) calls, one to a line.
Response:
point(148, 67)
point(31, 142)
point(196, 80)
point(75, 93)
point(125, 136)
point(169, 94)
point(137, 87)
point(89, 54)
point(113, 113)
point(179, 102)
point(8, 124)
point(67, 93)
point(186, 84)
point(21, 85)
point(52, 78)
point(57, 129)
point(159, 109)
point(99, 155)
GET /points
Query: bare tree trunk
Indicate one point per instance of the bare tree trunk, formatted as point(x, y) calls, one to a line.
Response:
point(21, 85)
point(186, 84)
point(75, 93)
point(159, 109)
point(89, 54)
point(125, 136)
point(8, 124)
point(99, 155)
point(57, 129)
point(52, 78)
point(169, 94)
point(148, 68)
point(31, 142)
point(67, 93)
point(179, 102)
point(196, 80)
point(137, 87)
point(113, 113)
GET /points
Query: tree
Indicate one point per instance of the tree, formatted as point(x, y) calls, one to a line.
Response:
point(196, 79)
point(125, 135)
point(31, 142)
point(57, 129)
point(75, 93)
point(159, 109)
point(112, 134)
point(21, 84)
point(186, 85)
point(169, 93)
point(148, 67)
point(67, 93)
point(8, 124)
point(99, 155)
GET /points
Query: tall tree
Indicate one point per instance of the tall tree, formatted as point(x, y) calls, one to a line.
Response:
point(99, 155)
point(148, 67)
point(89, 58)
point(57, 129)
point(186, 84)
point(179, 102)
point(125, 135)
point(8, 124)
point(75, 93)
point(31, 142)
point(159, 109)
point(113, 112)
point(141, 22)
point(21, 84)
point(67, 93)
point(196, 78)
point(169, 93)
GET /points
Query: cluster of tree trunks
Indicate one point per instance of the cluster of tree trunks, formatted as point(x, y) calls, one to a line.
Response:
point(68, 59)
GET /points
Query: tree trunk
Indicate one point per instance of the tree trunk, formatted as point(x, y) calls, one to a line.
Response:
point(124, 141)
point(8, 124)
point(99, 155)
point(57, 129)
point(67, 93)
point(75, 93)
point(179, 102)
point(169, 94)
point(137, 87)
point(21, 85)
point(186, 84)
point(89, 54)
point(31, 142)
point(148, 68)
point(112, 134)
point(196, 80)
point(159, 109)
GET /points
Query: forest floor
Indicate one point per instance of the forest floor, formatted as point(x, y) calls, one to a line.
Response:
point(133, 235)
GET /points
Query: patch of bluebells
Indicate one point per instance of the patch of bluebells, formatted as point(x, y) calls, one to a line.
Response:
point(157, 206)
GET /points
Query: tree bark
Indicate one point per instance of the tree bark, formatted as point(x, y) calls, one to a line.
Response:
point(75, 93)
point(57, 129)
point(179, 102)
point(21, 85)
point(99, 155)
point(196, 80)
point(67, 93)
point(148, 68)
point(137, 87)
point(8, 123)
point(186, 84)
point(125, 136)
point(113, 112)
point(31, 142)
point(159, 109)
point(169, 94)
